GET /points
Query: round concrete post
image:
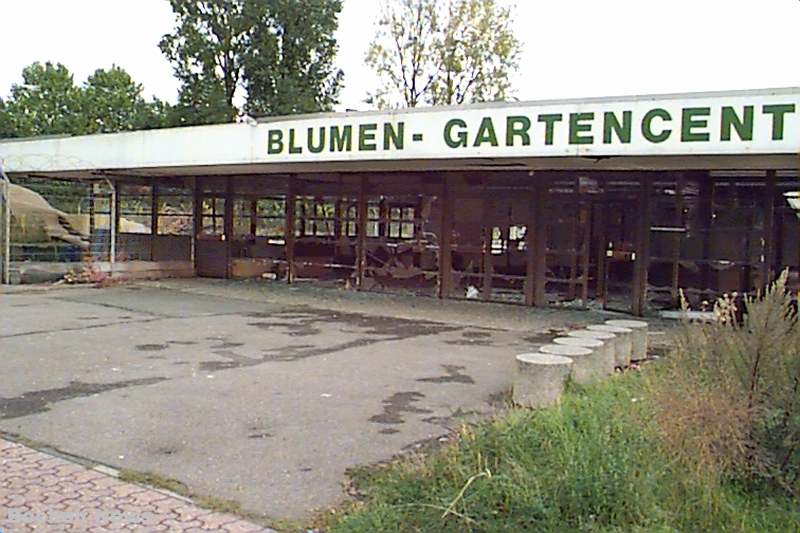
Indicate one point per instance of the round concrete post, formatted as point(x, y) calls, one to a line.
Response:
point(623, 345)
point(540, 378)
point(582, 369)
point(602, 358)
point(639, 339)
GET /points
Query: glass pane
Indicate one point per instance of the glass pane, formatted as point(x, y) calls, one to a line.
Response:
point(372, 229)
point(270, 227)
point(175, 205)
point(407, 230)
point(135, 205)
point(175, 225)
point(213, 225)
point(271, 207)
point(134, 223)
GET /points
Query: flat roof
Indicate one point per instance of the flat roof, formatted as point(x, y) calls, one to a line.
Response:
point(731, 129)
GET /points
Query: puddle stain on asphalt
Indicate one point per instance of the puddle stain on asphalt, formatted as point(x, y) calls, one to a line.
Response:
point(371, 330)
point(396, 405)
point(151, 347)
point(39, 401)
point(453, 375)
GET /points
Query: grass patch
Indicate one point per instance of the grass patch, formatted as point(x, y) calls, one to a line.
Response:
point(211, 503)
point(596, 462)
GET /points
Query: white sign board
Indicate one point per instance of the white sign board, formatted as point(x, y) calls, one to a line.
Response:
point(758, 122)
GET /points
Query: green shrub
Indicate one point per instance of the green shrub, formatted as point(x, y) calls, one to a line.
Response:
point(593, 463)
point(729, 397)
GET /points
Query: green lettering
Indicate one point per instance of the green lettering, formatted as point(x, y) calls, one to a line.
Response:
point(692, 118)
point(743, 126)
point(647, 125)
point(292, 148)
point(316, 148)
point(577, 125)
point(460, 141)
point(611, 125)
point(518, 126)
point(550, 123)
point(392, 136)
point(366, 137)
point(341, 138)
point(778, 111)
point(486, 133)
point(274, 142)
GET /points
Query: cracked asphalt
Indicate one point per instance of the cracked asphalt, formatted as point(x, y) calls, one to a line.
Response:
point(264, 396)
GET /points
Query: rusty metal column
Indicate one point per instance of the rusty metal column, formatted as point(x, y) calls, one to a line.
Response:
point(361, 228)
point(228, 225)
point(289, 229)
point(642, 262)
point(768, 260)
point(445, 243)
point(5, 225)
point(542, 186)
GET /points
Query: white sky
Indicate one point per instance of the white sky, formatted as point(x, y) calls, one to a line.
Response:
point(571, 48)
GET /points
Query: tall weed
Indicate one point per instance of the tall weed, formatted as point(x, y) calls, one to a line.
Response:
point(729, 399)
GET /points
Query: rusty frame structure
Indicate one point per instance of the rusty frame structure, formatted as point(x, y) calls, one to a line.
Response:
point(627, 240)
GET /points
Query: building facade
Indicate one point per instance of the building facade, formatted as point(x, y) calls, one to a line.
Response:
point(627, 202)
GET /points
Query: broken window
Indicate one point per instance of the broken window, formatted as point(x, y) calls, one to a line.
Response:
point(213, 215)
point(135, 208)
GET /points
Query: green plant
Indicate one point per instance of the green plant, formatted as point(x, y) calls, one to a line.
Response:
point(729, 398)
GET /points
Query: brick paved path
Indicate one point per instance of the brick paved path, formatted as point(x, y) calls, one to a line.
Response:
point(39, 492)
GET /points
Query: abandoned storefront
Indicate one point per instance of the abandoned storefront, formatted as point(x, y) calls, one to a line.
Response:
point(624, 202)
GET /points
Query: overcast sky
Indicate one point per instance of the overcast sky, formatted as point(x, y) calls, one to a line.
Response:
point(571, 48)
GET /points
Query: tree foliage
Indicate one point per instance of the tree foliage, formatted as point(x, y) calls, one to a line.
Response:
point(48, 102)
point(277, 54)
point(437, 53)
point(206, 51)
point(111, 101)
point(290, 67)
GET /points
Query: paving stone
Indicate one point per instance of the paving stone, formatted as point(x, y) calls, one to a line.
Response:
point(43, 493)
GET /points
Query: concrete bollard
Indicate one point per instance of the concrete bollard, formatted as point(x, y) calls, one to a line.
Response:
point(639, 339)
point(602, 358)
point(623, 345)
point(582, 369)
point(540, 378)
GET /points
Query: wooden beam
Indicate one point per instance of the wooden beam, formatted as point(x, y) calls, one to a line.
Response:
point(768, 261)
point(228, 225)
point(153, 219)
point(488, 224)
point(530, 251)
point(585, 217)
point(541, 192)
point(642, 262)
point(705, 210)
point(361, 229)
point(675, 294)
point(573, 260)
point(601, 221)
point(289, 229)
point(445, 242)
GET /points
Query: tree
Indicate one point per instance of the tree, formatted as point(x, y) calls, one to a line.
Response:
point(6, 125)
point(401, 53)
point(280, 53)
point(425, 53)
point(111, 101)
point(49, 103)
point(206, 51)
point(290, 65)
point(46, 103)
point(477, 53)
